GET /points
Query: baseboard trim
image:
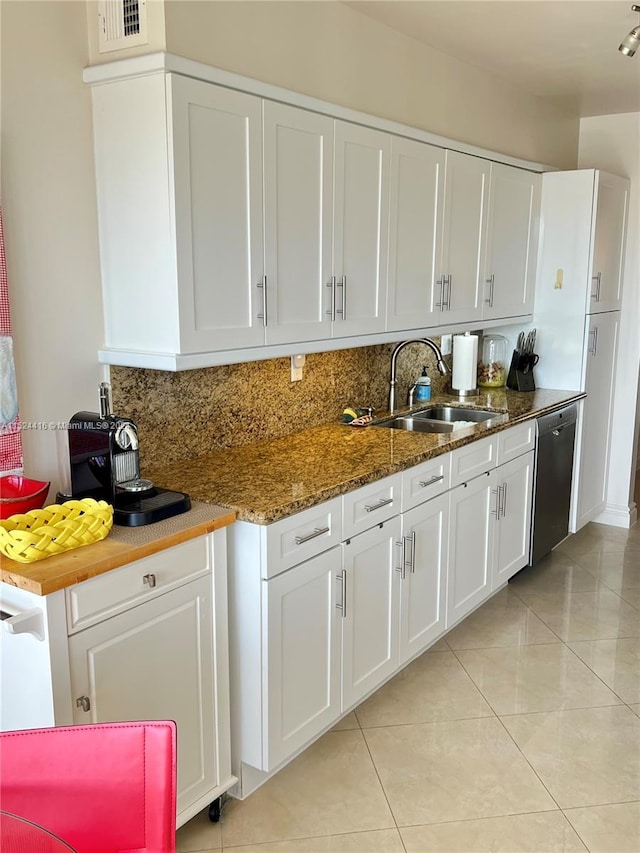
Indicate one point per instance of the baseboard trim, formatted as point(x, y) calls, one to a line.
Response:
point(618, 516)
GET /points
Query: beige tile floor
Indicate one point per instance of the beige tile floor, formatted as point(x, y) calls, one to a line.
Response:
point(520, 731)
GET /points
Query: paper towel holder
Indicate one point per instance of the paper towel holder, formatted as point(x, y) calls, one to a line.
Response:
point(472, 357)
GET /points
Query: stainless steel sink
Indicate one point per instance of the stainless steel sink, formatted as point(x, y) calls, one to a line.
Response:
point(442, 419)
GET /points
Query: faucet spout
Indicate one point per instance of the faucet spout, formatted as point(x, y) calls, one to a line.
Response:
point(442, 367)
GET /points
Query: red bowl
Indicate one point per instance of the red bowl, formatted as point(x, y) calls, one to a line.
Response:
point(19, 494)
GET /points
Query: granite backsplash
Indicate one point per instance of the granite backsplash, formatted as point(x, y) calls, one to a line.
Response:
point(186, 414)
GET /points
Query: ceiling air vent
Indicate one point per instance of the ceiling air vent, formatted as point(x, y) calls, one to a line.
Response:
point(121, 23)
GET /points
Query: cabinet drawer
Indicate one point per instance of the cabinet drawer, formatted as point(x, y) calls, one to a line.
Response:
point(104, 596)
point(369, 505)
point(516, 441)
point(473, 459)
point(425, 481)
point(301, 536)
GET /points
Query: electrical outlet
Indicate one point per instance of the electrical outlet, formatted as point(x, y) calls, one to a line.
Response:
point(445, 344)
point(297, 364)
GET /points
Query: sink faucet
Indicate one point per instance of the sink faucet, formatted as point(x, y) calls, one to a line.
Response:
point(442, 367)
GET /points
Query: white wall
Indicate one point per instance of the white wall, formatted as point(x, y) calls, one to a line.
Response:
point(612, 143)
point(330, 51)
point(49, 207)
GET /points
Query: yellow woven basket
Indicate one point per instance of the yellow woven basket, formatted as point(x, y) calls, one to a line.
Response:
point(54, 529)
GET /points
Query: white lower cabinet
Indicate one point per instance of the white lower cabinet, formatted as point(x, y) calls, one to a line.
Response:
point(513, 522)
point(155, 660)
point(301, 642)
point(470, 545)
point(369, 603)
point(310, 641)
point(425, 534)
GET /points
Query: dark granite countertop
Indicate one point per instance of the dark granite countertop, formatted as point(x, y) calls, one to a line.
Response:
point(268, 480)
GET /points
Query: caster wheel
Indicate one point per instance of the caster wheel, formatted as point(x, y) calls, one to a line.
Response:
point(214, 810)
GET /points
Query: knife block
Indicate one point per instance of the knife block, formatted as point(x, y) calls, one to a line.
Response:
point(520, 376)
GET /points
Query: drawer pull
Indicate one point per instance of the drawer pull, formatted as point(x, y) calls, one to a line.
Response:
point(317, 531)
point(149, 579)
point(379, 505)
point(403, 560)
point(423, 483)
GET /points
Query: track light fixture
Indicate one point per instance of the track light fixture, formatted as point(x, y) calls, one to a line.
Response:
point(631, 42)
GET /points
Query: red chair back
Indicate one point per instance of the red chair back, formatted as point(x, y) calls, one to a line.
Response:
point(103, 788)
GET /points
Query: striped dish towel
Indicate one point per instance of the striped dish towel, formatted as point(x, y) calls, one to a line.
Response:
point(10, 436)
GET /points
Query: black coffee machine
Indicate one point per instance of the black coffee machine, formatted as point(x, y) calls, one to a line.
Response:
point(104, 461)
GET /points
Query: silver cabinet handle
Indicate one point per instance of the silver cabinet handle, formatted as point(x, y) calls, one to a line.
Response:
point(496, 512)
point(446, 306)
point(491, 282)
point(440, 284)
point(263, 285)
point(379, 505)
point(317, 531)
point(593, 346)
point(412, 561)
point(595, 291)
point(342, 605)
point(332, 310)
point(424, 483)
point(149, 579)
point(343, 284)
point(402, 544)
point(503, 506)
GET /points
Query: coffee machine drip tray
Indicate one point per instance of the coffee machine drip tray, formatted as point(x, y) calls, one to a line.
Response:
point(154, 505)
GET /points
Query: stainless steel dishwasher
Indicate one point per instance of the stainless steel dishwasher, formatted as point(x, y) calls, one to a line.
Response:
point(556, 434)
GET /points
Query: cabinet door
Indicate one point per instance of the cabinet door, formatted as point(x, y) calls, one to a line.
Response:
point(509, 279)
point(370, 610)
point(513, 526)
point(601, 339)
point(415, 232)
point(217, 180)
point(472, 511)
point(425, 531)
point(612, 199)
point(301, 643)
point(458, 288)
point(360, 229)
point(155, 661)
point(298, 173)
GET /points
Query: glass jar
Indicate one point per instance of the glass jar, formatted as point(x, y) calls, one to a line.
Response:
point(492, 365)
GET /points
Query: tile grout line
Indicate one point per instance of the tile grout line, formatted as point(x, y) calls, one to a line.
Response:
point(366, 743)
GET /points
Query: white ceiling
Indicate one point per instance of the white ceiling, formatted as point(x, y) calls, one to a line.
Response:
point(566, 49)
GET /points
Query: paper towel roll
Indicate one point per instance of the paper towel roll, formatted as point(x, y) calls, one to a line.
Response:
point(465, 362)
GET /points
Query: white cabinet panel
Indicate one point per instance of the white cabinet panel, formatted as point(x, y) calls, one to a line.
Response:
point(425, 532)
point(473, 459)
point(298, 162)
point(370, 610)
point(297, 538)
point(516, 441)
point(155, 661)
point(217, 180)
point(472, 508)
point(509, 273)
point(360, 228)
point(415, 232)
point(301, 642)
point(600, 357)
point(463, 248)
point(612, 200)
point(425, 481)
point(513, 525)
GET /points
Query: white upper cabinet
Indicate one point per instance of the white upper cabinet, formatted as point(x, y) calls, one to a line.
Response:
point(458, 286)
point(217, 172)
point(611, 204)
point(512, 229)
point(230, 222)
point(298, 165)
point(415, 232)
point(360, 228)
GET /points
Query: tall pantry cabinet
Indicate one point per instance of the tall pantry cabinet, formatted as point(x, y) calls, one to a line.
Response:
point(578, 298)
